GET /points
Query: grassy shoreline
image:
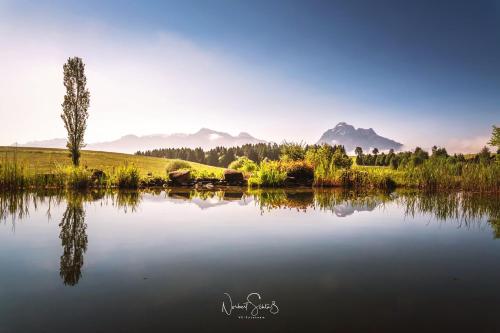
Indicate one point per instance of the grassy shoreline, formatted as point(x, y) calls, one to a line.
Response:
point(22, 168)
point(25, 168)
point(45, 160)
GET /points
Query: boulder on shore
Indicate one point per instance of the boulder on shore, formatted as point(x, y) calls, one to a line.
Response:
point(233, 177)
point(180, 177)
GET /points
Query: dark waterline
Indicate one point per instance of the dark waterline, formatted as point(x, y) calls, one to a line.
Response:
point(332, 261)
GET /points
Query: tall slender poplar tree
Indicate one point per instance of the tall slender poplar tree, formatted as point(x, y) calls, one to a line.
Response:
point(75, 106)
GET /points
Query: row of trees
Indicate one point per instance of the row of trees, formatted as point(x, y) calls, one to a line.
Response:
point(223, 156)
point(417, 157)
point(75, 114)
point(219, 156)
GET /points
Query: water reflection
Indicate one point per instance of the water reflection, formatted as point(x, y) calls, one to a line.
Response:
point(74, 239)
point(464, 209)
point(340, 202)
point(16, 205)
point(126, 200)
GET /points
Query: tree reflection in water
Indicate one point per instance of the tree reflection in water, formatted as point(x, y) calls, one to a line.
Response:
point(465, 209)
point(74, 240)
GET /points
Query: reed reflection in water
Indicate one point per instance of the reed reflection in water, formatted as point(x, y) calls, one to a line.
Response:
point(464, 209)
point(122, 260)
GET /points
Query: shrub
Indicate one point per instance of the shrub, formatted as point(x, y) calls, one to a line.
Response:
point(127, 177)
point(244, 164)
point(301, 171)
point(269, 174)
point(290, 151)
point(206, 173)
point(13, 175)
point(75, 177)
point(175, 165)
point(327, 160)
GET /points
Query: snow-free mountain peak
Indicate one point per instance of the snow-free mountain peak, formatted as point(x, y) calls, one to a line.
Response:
point(350, 137)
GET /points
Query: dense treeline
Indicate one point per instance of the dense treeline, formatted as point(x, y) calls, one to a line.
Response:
point(417, 157)
point(223, 156)
point(219, 156)
point(273, 165)
point(287, 164)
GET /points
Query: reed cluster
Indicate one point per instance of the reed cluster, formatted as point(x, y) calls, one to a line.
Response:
point(16, 175)
point(440, 174)
point(269, 174)
point(127, 177)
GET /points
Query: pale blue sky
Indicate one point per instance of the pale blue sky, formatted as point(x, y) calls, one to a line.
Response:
point(420, 72)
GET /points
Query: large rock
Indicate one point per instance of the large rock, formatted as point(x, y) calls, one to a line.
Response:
point(180, 177)
point(233, 177)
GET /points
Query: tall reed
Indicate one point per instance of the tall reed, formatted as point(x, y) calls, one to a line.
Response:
point(440, 174)
point(127, 177)
point(269, 174)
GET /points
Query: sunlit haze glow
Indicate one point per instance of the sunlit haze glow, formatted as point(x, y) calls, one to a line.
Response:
point(149, 73)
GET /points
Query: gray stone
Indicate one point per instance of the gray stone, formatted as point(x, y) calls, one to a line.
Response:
point(233, 177)
point(180, 177)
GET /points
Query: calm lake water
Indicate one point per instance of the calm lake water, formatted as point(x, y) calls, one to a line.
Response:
point(324, 261)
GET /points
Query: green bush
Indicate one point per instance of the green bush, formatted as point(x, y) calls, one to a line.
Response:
point(290, 151)
point(127, 177)
point(75, 177)
point(244, 164)
point(205, 173)
point(327, 161)
point(299, 170)
point(13, 175)
point(269, 174)
point(175, 165)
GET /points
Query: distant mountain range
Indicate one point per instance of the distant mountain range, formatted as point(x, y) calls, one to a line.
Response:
point(205, 138)
point(350, 137)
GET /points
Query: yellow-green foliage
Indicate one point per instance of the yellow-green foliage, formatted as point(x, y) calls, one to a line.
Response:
point(291, 151)
point(43, 167)
point(127, 177)
point(73, 177)
point(45, 160)
point(438, 174)
point(198, 173)
point(174, 165)
point(364, 179)
point(300, 171)
point(269, 174)
point(244, 164)
point(51, 168)
point(327, 162)
point(13, 175)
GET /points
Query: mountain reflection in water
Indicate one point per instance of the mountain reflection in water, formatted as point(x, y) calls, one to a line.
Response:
point(151, 261)
point(465, 209)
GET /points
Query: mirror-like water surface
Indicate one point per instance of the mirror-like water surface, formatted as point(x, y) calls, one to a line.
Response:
point(321, 261)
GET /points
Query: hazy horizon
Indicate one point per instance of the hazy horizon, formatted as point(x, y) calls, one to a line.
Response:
point(277, 70)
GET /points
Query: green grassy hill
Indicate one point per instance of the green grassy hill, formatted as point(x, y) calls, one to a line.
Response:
point(45, 160)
